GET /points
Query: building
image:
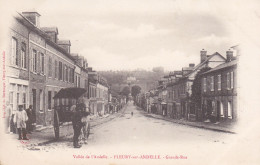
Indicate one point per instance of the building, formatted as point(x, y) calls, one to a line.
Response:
point(98, 93)
point(219, 91)
point(17, 66)
point(183, 86)
point(40, 65)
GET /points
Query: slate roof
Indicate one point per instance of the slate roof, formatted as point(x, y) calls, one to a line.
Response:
point(222, 66)
point(63, 42)
point(50, 29)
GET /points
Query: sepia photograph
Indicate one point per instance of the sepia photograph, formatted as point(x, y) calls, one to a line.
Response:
point(120, 82)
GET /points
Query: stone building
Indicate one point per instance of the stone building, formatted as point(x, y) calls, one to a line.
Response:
point(41, 64)
point(219, 91)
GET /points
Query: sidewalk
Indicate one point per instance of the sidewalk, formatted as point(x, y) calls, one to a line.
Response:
point(45, 134)
point(227, 127)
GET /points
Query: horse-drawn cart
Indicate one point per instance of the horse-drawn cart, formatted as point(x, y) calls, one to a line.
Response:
point(66, 100)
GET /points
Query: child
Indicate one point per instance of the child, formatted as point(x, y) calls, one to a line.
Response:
point(20, 119)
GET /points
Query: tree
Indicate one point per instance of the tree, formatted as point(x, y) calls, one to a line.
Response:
point(196, 87)
point(125, 91)
point(135, 90)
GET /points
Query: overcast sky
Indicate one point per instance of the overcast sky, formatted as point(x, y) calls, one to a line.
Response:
point(130, 34)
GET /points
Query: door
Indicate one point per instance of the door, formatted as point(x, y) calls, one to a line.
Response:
point(218, 110)
point(34, 104)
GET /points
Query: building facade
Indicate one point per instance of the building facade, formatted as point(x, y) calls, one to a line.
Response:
point(219, 91)
point(41, 64)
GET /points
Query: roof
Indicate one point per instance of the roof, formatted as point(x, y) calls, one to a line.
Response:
point(187, 68)
point(70, 93)
point(202, 63)
point(29, 12)
point(222, 66)
point(63, 42)
point(50, 29)
point(40, 32)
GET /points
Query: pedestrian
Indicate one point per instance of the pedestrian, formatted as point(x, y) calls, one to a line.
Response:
point(77, 125)
point(132, 113)
point(29, 121)
point(20, 120)
point(8, 117)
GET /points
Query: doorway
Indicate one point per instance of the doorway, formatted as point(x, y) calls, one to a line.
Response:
point(34, 105)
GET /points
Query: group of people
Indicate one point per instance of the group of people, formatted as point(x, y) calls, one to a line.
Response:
point(19, 121)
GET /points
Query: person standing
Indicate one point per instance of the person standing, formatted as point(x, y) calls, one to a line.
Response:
point(20, 120)
point(29, 122)
point(77, 125)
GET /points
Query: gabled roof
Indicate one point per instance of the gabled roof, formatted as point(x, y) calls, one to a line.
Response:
point(222, 66)
point(202, 63)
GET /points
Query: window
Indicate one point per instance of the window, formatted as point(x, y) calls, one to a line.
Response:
point(219, 82)
point(78, 81)
point(11, 95)
point(19, 95)
point(231, 80)
point(60, 70)
point(14, 58)
point(24, 96)
point(55, 100)
point(66, 73)
point(212, 83)
point(72, 75)
point(221, 110)
point(228, 80)
point(204, 84)
point(229, 110)
point(56, 69)
point(49, 99)
point(50, 67)
point(23, 56)
point(42, 63)
point(41, 100)
point(69, 74)
point(34, 61)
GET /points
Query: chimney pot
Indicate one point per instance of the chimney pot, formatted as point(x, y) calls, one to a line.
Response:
point(229, 55)
point(203, 55)
point(192, 65)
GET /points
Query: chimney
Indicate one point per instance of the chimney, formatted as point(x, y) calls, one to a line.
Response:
point(33, 17)
point(229, 55)
point(65, 44)
point(203, 55)
point(191, 65)
point(52, 32)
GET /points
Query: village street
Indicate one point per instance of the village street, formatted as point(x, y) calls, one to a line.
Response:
point(124, 134)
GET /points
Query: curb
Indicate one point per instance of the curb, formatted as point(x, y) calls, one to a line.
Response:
point(192, 125)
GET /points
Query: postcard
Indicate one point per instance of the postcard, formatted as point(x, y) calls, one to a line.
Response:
point(121, 82)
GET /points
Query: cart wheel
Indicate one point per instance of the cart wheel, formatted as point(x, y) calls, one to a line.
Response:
point(56, 125)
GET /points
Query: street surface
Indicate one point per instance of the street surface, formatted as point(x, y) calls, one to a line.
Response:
point(141, 137)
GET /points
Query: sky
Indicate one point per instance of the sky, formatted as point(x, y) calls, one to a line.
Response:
point(131, 34)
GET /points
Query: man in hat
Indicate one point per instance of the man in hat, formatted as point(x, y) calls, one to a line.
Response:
point(29, 122)
point(77, 125)
point(20, 120)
